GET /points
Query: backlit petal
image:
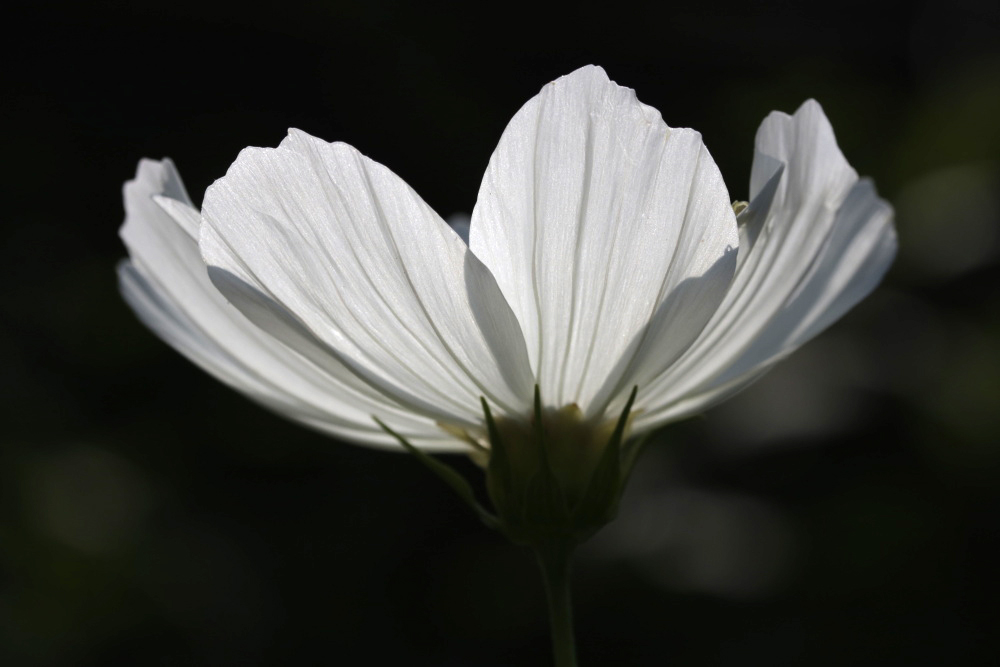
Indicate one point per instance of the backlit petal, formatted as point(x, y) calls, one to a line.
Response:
point(818, 240)
point(166, 283)
point(610, 234)
point(335, 255)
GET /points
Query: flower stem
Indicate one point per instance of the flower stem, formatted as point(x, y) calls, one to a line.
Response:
point(554, 559)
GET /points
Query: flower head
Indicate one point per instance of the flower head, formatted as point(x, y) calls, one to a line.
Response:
point(604, 255)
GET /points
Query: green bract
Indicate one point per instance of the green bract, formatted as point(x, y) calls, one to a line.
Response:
point(553, 477)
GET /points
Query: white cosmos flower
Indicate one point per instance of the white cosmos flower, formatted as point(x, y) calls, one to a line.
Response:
point(604, 254)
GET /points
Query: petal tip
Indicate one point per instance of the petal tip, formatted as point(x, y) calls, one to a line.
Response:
point(590, 71)
point(810, 105)
point(296, 136)
point(588, 76)
point(153, 178)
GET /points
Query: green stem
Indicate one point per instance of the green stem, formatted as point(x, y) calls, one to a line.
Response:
point(554, 560)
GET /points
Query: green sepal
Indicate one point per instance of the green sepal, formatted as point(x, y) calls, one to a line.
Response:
point(448, 475)
point(529, 501)
point(536, 503)
point(544, 493)
point(544, 503)
point(537, 427)
point(599, 504)
point(499, 478)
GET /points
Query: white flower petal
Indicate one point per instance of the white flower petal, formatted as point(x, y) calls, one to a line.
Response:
point(335, 255)
point(611, 235)
point(818, 240)
point(166, 283)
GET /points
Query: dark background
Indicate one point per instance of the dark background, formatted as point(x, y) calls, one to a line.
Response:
point(842, 511)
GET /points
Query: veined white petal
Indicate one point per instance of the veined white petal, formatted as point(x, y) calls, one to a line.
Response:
point(611, 235)
point(166, 283)
point(818, 241)
point(335, 255)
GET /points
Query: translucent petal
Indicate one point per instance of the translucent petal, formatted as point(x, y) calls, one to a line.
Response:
point(166, 283)
point(336, 256)
point(816, 241)
point(611, 235)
